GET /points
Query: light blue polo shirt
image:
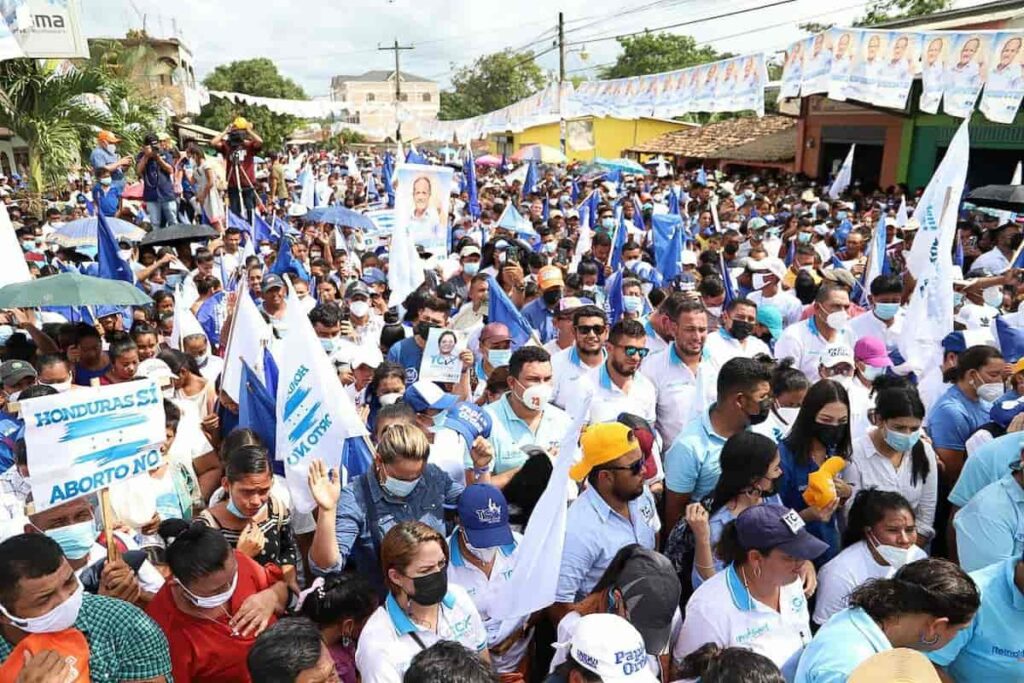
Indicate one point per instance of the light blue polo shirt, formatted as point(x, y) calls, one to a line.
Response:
point(846, 640)
point(692, 463)
point(594, 533)
point(988, 464)
point(509, 433)
point(991, 648)
point(990, 528)
point(954, 417)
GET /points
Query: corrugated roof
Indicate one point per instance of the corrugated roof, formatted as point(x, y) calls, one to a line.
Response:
point(769, 138)
point(959, 16)
point(379, 76)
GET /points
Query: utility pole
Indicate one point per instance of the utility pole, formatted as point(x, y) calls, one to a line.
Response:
point(561, 80)
point(398, 83)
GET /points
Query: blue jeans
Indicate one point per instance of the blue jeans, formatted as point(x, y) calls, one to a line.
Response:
point(162, 214)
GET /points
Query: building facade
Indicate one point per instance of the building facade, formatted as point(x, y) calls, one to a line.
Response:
point(588, 137)
point(371, 103)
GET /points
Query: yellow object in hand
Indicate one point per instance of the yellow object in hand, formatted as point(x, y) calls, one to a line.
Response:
point(821, 490)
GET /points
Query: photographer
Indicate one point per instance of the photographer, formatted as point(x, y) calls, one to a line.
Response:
point(239, 144)
point(155, 166)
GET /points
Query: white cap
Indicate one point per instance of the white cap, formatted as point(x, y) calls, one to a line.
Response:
point(609, 646)
point(296, 210)
point(154, 368)
point(775, 266)
point(370, 356)
point(836, 354)
point(689, 257)
point(469, 250)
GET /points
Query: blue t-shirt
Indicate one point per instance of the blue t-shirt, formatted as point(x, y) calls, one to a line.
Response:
point(791, 490)
point(408, 354)
point(101, 158)
point(157, 185)
point(541, 319)
point(110, 199)
point(954, 417)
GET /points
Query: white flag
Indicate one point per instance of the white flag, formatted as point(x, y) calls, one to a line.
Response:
point(13, 267)
point(405, 270)
point(314, 412)
point(901, 213)
point(185, 322)
point(844, 177)
point(247, 338)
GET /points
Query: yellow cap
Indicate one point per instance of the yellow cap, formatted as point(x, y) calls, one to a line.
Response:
point(602, 443)
point(901, 665)
point(241, 124)
point(1018, 366)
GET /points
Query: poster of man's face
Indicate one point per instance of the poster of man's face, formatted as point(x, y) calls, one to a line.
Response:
point(1009, 52)
point(934, 52)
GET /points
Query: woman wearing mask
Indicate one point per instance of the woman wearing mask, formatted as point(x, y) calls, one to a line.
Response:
point(420, 609)
point(340, 607)
point(820, 431)
point(758, 600)
point(386, 388)
point(253, 521)
point(217, 604)
point(892, 457)
point(207, 195)
point(977, 380)
point(789, 386)
point(922, 607)
point(880, 538)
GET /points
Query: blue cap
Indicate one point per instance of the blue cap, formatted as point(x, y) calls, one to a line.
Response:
point(954, 342)
point(374, 276)
point(483, 514)
point(468, 420)
point(770, 317)
point(1006, 408)
point(770, 526)
point(424, 395)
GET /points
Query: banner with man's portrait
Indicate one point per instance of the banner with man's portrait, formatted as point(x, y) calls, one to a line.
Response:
point(965, 73)
point(1004, 82)
point(933, 70)
point(421, 205)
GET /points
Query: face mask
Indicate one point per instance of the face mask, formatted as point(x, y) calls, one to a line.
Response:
point(499, 357)
point(60, 618)
point(359, 308)
point(901, 442)
point(788, 414)
point(471, 268)
point(76, 540)
point(389, 399)
point(631, 264)
point(633, 304)
point(993, 296)
point(803, 237)
point(125, 254)
point(892, 555)
point(106, 181)
point(841, 215)
point(551, 297)
point(759, 281)
point(766, 406)
point(265, 249)
point(399, 488)
point(608, 224)
point(430, 589)
point(438, 421)
point(990, 392)
point(843, 381)
point(731, 249)
point(871, 373)
point(211, 601)
point(328, 345)
point(61, 387)
point(203, 359)
point(485, 555)
point(828, 435)
point(549, 247)
point(715, 311)
point(837, 320)
point(112, 149)
point(885, 311)
point(233, 509)
point(741, 329)
point(537, 396)
point(422, 329)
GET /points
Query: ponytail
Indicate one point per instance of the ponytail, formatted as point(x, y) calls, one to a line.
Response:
point(929, 586)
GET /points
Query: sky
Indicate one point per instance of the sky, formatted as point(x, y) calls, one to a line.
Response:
point(314, 40)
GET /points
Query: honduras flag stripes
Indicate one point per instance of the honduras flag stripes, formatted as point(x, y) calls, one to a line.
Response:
point(501, 310)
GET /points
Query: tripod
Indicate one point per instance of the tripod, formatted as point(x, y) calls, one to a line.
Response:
point(243, 201)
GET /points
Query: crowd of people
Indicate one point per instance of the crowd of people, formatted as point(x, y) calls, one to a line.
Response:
point(765, 489)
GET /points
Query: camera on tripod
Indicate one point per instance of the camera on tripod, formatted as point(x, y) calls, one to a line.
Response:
point(236, 139)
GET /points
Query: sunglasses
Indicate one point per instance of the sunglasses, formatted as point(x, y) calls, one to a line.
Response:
point(634, 469)
point(636, 351)
point(596, 330)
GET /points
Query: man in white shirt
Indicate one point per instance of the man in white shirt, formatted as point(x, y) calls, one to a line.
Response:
point(363, 326)
point(569, 365)
point(617, 386)
point(996, 260)
point(566, 337)
point(735, 337)
point(885, 319)
point(766, 276)
point(804, 341)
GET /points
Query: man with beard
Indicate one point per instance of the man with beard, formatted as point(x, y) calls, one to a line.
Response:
point(616, 386)
point(590, 328)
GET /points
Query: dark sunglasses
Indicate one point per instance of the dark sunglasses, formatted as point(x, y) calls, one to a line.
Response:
point(636, 351)
point(584, 330)
point(634, 469)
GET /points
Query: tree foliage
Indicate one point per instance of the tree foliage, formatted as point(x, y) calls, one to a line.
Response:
point(491, 82)
point(258, 77)
point(132, 113)
point(650, 53)
point(887, 10)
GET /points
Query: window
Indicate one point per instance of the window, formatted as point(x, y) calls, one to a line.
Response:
point(426, 97)
point(403, 97)
point(370, 97)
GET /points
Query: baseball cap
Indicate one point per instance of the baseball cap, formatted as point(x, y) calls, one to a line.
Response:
point(370, 356)
point(470, 421)
point(568, 304)
point(770, 317)
point(150, 139)
point(899, 665)
point(611, 647)
point(424, 395)
point(374, 276)
point(483, 515)
point(840, 275)
point(548, 277)
point(271, 281)
point(357, 288)
point(469, 250)
point(495, 332)
point(601, 443)
point(689, 258)
point(770, 526)
point(773, 266)
point(650, 589)
point(1006, 407)
point(105, 136)
point(835, 354)
point(872, 351)
point(13, 371)
point(241, 123)
point(954, 342)
point(154, 368)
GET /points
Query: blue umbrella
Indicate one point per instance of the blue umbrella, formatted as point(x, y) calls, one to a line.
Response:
point(624, 165)
point(82, 232)
point(339, 215)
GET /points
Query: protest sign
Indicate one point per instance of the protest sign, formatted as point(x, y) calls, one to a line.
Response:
point(42, 28)
point(80, 442)
point(441, 356)
point(421, 205)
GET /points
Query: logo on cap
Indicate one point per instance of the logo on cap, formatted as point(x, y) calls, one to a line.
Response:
point(490, 514)
point(793, 521)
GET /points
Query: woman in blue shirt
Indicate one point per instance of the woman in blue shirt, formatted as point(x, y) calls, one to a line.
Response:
point(820, 431)
point(922, 607)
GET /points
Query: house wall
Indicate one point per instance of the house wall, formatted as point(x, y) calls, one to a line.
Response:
point(611, 137)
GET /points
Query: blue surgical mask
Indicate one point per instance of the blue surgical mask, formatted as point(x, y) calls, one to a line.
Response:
point(499, 357)
point(399, 488)
point(902, 442)
point(106, 181)
point(886, 311)
point(803, 237)
point(471, 268)
point(633, 304)
point(608, 224)
point(439, 420)
point(327, 344)
point(841, 215)
point(233, 509)
point(549, 247)
point(76, 540)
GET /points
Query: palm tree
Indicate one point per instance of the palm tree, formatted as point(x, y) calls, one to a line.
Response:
point(132, 113)
point(52, 109)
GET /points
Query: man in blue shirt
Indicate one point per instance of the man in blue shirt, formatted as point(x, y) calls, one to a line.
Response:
point(409, 352)
point(108, 193)
point(155, 166)
point(540, 312)
point(105, 157)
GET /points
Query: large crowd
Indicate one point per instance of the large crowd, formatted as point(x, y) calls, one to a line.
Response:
point(765, 489)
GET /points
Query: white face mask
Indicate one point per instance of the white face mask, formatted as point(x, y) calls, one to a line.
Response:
point(61, 387)
point(788, 414)
point(843, 381)
point(631, 264)
point(211, 601)
point(990, 392)
point(389, 399)
point(993, 296)
point(359, 308)
point(485, 555)
point(60, 618)
point(759, 280)
point(892, 555)
point(715, 311)
point(125, 254)
point(837, 320)
point(537, 396)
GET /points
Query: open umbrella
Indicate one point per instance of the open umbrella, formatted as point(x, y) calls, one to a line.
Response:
point(1005, 197)
point(181, 232)
point(488, 160)
point(540, 153)
point(82, 232)
point(71, 289)
point(339, 216)
point(624, 165)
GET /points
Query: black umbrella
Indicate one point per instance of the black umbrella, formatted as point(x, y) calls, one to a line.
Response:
point(182, 232)
point(1005, 197)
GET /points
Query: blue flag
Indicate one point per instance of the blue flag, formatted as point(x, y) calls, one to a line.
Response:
point(702, 176)
point(615, 303)
point(257, 409)
point(593, 205)
point(668, 244)
point(638, 214)
point(211, 316)
point(619, 241)
point(269, 371)
point(469, 175)
point(414, 157)
point(501, 310)
point(730, 293)
point(673, 204)
point(531, 179)
point(234, 221)
point(261, 229)
point(574, 196)
point(356, 456)
point(958, 253)
point(286, 263)
point(791, 253)
point(386, 173)
point(109, 263)
point(279, 229)
point(1011, 340)
point(858, 293)
point(546, 210)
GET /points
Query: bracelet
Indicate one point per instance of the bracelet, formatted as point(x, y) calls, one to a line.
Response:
point(477, 471)
point(703, 566)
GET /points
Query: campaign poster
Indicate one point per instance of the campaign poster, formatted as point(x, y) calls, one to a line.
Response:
point(628, 106)
point(868, 63)
point(750, 88)
point(1004, 83)
point(47, 29)
point(965, 73)
point(579, 135)
point(421, 204)
point(706, 90)
point(817, 65)
point(792, 71)
point(728, 81)
point(845, 43)
point(82, 441)
point(933, 70)
point(897, 72)
point(441, 361)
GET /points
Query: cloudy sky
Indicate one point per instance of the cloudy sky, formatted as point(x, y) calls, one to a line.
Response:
point(313, 40)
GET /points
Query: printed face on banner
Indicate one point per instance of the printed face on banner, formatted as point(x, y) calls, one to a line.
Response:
point(845, 45)
point(933, 66)
point(965, 73)
point(79, 442)
point(1004, 83)
point(441, 361)
point(421, 203)
point(897, 73)
point(868, 66)
point(817, 65)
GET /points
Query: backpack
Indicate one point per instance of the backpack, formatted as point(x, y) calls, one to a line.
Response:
point(680, 549)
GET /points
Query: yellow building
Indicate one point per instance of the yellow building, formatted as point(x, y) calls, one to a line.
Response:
point(588, 137)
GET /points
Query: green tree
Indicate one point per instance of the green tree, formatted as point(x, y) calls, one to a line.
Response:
point(651, 53)
point(258, 77)
point(132, 113)
point(491, 82)
point(887, 10)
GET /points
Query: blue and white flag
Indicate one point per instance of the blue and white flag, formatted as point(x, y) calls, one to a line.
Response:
point(730, 290)
point(500, 309)
point(384, 219)
point(511, 219)
point(668, 244)
point(530, 182)
point(211, 316)
point(844, 177)
point(110, 264)
point(877, 256)
point(257, 408)
point(249, 335)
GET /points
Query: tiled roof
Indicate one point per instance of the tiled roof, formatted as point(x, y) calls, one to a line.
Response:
point(379, 76)
point(768, 138)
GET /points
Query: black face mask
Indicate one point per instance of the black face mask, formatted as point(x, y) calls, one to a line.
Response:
point(731, 249)
point(766, 407)
point(1015, 241)
point(551, 297)
point(829, 435)
point(430, 589)
point(741, 329)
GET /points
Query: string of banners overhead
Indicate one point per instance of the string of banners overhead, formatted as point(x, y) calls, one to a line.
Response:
point(728, 85)
point(879, 67)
